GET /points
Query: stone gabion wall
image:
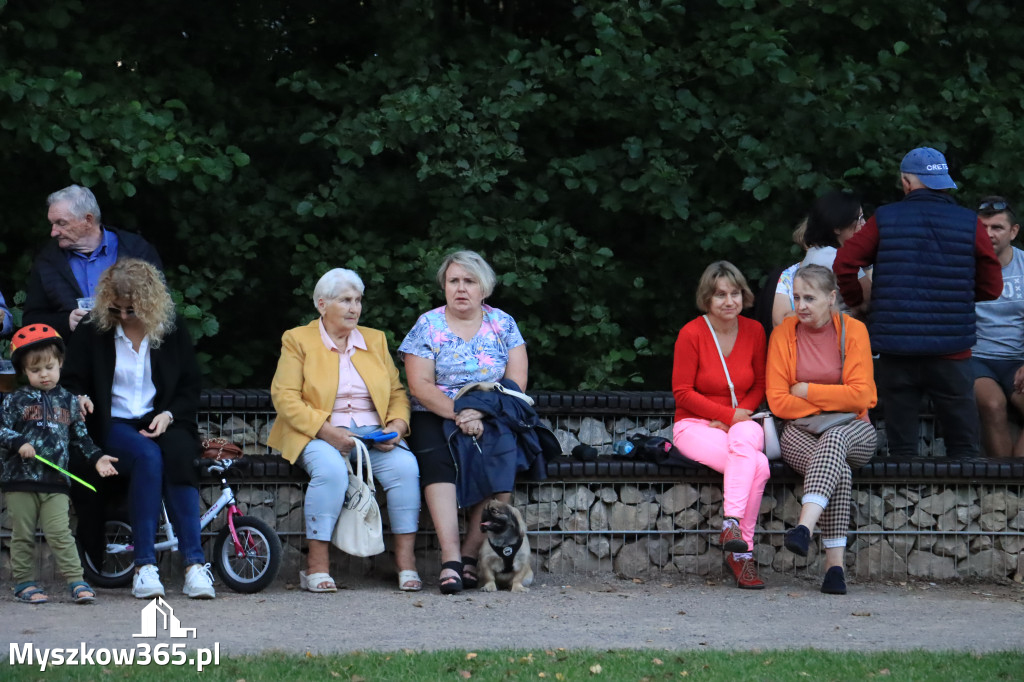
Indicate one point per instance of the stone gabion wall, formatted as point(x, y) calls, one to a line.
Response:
point(633, 527)
point(918, 529)
point(923, 531)
point(636, 528)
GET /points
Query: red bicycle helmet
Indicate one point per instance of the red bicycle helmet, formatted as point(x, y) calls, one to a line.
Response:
point(31, 336)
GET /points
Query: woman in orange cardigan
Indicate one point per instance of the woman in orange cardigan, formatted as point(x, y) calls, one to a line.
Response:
point(808, 373)
point(335, 376)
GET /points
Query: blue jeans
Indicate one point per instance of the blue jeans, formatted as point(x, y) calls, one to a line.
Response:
point(140, 459)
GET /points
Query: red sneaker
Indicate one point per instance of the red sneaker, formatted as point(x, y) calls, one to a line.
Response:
point(731, 539)
point(745, 571)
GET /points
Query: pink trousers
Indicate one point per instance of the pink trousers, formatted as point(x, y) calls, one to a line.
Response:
point(738, 455)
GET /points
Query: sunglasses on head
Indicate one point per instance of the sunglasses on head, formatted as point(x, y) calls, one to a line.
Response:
point(994, 206)
point(116, 312)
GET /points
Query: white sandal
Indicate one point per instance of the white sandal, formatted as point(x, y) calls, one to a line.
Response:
point(311, 582)
point(408, 577)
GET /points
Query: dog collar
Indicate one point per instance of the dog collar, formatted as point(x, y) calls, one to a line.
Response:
point(507, 553)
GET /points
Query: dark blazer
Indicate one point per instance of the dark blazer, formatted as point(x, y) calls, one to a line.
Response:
point(53, 291)
point(89, 370)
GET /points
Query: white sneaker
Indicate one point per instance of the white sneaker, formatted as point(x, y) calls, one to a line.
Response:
point(146, 583)
point(199, 582)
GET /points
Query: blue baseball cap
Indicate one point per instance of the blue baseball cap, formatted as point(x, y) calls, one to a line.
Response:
point(929, 165)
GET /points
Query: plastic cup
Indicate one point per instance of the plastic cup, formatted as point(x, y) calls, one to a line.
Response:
point(8, 378)
point(86, 303)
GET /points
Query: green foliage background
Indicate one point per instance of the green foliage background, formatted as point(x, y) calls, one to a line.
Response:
point(598, 153)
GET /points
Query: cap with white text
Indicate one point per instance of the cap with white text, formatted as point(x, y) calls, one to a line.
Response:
point(929, 165)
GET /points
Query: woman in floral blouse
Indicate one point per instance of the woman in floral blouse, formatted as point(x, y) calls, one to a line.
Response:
point(460, 343)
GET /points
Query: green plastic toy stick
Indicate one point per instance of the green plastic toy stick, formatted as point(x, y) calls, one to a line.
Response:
point(66, 473)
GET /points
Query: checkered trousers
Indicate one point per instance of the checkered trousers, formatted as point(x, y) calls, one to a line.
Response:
point(826, 463)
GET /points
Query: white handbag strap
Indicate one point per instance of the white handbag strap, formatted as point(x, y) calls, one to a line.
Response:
point(361, 454)
point(493, 386)
point(728, 379)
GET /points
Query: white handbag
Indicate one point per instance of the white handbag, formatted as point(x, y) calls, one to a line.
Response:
point(772, 449)
point(359, 531)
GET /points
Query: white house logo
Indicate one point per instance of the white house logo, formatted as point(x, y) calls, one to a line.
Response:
point(159, 616)
point(157, 619)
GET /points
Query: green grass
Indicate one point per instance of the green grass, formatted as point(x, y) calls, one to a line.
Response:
point(570, 665)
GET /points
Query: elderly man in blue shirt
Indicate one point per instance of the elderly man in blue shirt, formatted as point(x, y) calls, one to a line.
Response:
point(68, 268)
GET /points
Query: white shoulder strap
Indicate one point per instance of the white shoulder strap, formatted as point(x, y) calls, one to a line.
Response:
point(728, 379)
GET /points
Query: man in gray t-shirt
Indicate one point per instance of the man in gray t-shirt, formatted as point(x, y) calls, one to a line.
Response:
point(998, 356)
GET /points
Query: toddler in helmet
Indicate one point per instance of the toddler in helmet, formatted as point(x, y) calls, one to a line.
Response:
point(43, 418)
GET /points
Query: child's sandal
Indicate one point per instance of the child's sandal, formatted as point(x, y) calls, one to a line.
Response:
point(77, 593)
point(24, 592)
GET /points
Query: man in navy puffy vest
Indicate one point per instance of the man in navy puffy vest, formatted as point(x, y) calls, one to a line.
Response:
point(933, 260)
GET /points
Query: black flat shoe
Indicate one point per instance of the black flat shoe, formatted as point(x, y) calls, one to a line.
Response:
point(835, 581)
point(798, 540)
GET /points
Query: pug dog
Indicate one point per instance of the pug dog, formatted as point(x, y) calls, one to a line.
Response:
point(505, 557)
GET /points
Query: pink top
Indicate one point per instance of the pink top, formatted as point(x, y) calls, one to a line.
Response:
point(818, 360)
point(352, 406)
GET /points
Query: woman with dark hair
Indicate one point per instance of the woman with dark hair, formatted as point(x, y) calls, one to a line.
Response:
point(718, 383)
point(835, 217)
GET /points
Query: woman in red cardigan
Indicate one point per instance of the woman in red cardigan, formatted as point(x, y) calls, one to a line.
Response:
point(713, 410)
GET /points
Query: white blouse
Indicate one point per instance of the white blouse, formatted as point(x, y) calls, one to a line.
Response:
point(133, 392)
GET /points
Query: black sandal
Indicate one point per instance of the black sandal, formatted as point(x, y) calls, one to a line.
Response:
point(452, 584)
point(469, 580)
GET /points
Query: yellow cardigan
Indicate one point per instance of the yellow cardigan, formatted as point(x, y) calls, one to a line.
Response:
point(855, 394)
point(305, 385)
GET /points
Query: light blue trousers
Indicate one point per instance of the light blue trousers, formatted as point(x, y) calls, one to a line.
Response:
point(395, 471)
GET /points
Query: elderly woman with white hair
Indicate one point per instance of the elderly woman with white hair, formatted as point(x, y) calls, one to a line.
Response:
point(334, 376)
point(460, 343)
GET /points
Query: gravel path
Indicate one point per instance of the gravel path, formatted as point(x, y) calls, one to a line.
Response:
point(575, 612)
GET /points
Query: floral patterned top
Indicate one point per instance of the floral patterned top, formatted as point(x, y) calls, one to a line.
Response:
point(458, 362)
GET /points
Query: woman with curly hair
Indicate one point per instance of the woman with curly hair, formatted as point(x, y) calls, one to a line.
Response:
point(137, 372)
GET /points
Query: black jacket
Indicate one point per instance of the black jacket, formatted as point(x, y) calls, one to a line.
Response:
point(52, 289)
point(513, 440)
point(89, 369)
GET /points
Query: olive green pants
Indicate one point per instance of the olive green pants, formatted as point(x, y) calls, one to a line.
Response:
point(49, 510)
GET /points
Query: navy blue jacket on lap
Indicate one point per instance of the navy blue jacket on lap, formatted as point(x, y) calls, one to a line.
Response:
point(513, 440)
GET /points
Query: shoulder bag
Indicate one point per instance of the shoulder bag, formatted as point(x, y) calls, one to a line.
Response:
point(220, 448)
point(359, 531)
point(772, 449)
point(817, 424)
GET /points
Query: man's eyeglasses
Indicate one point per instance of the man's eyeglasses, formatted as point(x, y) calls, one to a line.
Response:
point(116, 312)
point(994, 206)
